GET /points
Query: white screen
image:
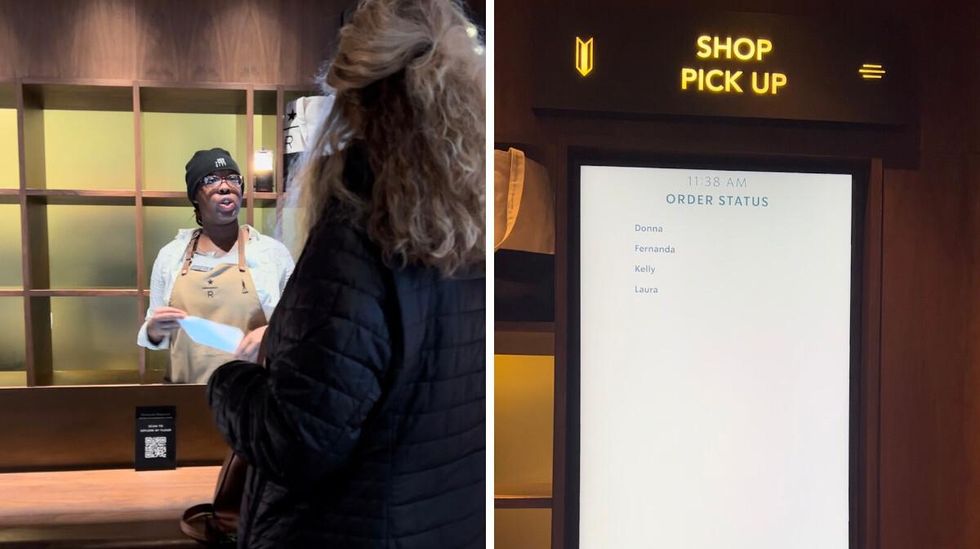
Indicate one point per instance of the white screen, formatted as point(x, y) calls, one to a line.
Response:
point(714, 412)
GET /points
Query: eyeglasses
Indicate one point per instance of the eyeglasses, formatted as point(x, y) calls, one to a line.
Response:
point(211, 180)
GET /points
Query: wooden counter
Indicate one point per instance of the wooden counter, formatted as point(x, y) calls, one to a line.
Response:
point(102, 508)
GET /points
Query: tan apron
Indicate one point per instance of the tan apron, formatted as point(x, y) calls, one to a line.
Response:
point(224, 294)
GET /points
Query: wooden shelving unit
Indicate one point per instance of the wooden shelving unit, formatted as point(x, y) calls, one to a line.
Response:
point(521, 502)
point(525, 496)
point(524, 344)
point(98, 292)
point(97, 117)
point(524, 339)
point(138, 213)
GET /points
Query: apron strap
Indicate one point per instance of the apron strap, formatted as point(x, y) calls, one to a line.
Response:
point(192, 247)
point(242, 238)
point(189, 252)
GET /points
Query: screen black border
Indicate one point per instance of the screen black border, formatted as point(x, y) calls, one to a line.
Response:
point(858, 169)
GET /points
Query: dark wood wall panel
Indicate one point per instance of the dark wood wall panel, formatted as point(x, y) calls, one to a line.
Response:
point(247, 41)
point(73, 38)
point(100, 425)
point(928, 424)
point(8, 41)
point(96, 31)
point(929, 470)
point(224, 40)
point(174, 41)
point(512, 66)
point(252, 41)
point(312, 39)
point(924, 343)
point(972, 375)
point(947, 71)
point(261, 26)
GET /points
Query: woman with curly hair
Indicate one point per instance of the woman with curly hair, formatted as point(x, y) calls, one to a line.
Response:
point(363, 426)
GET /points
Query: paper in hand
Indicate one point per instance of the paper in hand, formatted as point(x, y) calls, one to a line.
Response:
point(213, 334)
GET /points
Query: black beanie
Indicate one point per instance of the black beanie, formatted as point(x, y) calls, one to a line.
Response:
point(204, 163)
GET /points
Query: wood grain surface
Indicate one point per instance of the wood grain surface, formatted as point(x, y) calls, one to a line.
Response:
point(50, 428)
point(101, 509)
point(271, 41)
point(110, 495)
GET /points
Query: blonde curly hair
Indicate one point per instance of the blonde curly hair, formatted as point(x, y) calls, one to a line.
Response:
point(409, 84)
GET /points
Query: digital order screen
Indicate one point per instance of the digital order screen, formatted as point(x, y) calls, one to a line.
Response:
point(715, 358)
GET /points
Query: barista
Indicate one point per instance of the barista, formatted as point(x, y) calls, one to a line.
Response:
point(222, 271)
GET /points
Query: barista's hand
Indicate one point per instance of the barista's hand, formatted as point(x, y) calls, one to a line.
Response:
point(248, 349)
point(163, 321)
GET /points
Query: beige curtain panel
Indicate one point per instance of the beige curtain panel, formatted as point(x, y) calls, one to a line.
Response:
point(524, 211)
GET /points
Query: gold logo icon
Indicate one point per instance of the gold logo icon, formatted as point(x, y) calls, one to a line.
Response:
point(584, 55)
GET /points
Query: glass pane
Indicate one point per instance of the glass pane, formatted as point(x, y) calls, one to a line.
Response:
point(265, 132)
point(11, 275)
point(523, 424)
point(522, 528)
point(93, 340)
point(9, 163)
point(88, 150)
point(157, 363)
point(12, 366)
point(92, 246)
point(160, 225)
point(170, 139)
point(287, 224)
point(265, 220)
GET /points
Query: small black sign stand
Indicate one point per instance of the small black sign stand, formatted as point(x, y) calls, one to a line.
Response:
point(156, 438)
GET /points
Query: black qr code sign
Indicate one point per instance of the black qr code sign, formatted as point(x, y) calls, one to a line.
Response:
point(156, 438)
point(156, 447)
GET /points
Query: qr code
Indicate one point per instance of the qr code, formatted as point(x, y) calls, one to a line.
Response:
point(156, 447)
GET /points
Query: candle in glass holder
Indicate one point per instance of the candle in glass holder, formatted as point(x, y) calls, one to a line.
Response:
point(263, 170)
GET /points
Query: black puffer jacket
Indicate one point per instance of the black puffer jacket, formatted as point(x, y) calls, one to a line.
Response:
point(366, 428)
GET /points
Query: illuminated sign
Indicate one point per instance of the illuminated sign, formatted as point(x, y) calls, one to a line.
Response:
point(744, 49)
point(743, 65)
point(870, 71)
point(584, 55)
point(741, 49)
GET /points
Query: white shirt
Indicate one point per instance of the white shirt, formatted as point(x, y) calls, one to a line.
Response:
point(267, 259)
